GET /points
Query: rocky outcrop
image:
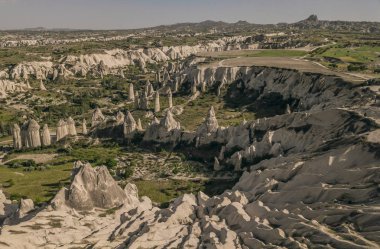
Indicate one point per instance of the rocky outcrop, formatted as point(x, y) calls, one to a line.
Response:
point(30, 134)
point(62, 130)
point(42, 86)
point(45, 136)
point(97, 117)
point(157, 107)
point(71, 129)
point(119, 117)
point(131, 95)
point(170, 99)
point(129, 126)
point(91, 188)
point(167, 130)
point(84, 127)
point(210, 124)
point(16, 134)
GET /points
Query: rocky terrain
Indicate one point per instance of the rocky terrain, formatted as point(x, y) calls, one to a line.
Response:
point(153, 138)
point(310, 174)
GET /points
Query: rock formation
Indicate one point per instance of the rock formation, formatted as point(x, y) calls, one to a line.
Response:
point(62, 130)
point(129, 125)
point(26, 205)
point(210, 125)
point(157, 102)
point(139, 125)
point(97, 117)
point(30, 134)
point(170, 99)
point(131, 95)
point(71, 129)
point(84, 127)
point(45, 136)
point(42, 86)
point(216, 164)
point(91, 188)
point(169, 123)
point(120, 117)
point(17, 141)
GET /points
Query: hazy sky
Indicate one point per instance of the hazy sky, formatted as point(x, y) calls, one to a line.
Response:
point(119, 14)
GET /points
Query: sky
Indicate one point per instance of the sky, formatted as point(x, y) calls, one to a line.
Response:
point(125, 14)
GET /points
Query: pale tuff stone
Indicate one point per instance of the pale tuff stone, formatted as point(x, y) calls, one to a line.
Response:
point(121, 73)
point(170, 99)
point(30, 134)
point(221, 154)
point(131, 96)
point(137, 100)
point(45, 136)
point(157, 102)
point(216, 164)
point(210, 125)
point(148, 90)
point(71, 129)
point(169, 122)
point(193, 88)
point(17, 141)
point(93, 187)
point(129, 126)
point(288, 110)
point(139, 125)
point(120, 117)
point(26, 205)
point(42, 86)
point(97, 117)
point(62, 130)
point(84, 127)
point(144, 101)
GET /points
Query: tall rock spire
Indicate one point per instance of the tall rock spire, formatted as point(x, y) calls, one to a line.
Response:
point(31, 133)
point(129, 125)
point(62, 130)
point(16, 132)
point(71, 129)
point(157, 107)
point(131, 96)
point(84, 127)
point(45, 136)
point(97, 117)
point(169, 122)
point(170, 99)
point(210, 124)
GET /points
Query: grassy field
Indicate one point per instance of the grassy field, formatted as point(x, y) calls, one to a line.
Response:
point(40, 186)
